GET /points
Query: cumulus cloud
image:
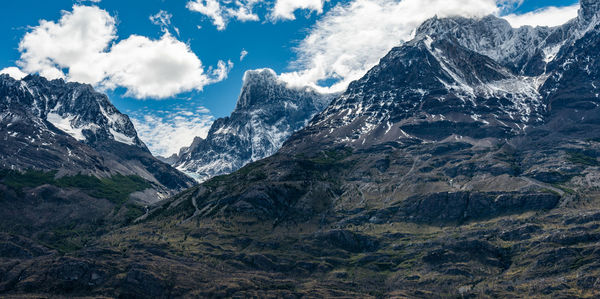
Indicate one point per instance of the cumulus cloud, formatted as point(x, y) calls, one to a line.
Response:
point(165, 133)
point(14, 72)
point(285, 9)
point(77, 41)
point(81, 47)
point(549, 16)
point(222, 11)
point(157, 68)
point(351, 38)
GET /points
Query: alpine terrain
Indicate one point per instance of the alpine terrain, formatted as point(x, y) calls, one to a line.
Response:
point(267, 113)
point(465, 164)
point(72, 164)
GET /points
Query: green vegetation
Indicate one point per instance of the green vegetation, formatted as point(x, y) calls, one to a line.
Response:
point(133, 212)
point(332, 156)
point(251, 173)
point(582, 158)
point(67, 239)
point(115, 189)
point(564, 189)
point(32, 178)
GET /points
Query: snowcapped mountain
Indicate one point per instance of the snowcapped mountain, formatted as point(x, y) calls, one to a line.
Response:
point(266, 114)
point(459, 77)
point(470, 120)
point(69, 127)
point(76, 109)
point(465, 164)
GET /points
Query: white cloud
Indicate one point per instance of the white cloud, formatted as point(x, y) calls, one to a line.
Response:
point(549, 16)
point(222, 11)
point(163, 19)
point(157, 68)
point(14, 72)
point(82, 44)
point(165, 133)
point(507, 6)
point(78, 42)
point(351, 38)
point(243, 55)
point(211, 9)
point(284, 9)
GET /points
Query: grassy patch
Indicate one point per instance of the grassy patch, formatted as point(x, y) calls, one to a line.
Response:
point(564, 189)
point(582, 158)
point(251, 173)
point(133, 212)
point(550, 191)
point(115, 189)
point(32, 178)
point(332, 156)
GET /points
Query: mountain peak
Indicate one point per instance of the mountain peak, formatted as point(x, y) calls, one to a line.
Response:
point(259, 76)
point(263, 86)
point(589, 9)
point(256, 81)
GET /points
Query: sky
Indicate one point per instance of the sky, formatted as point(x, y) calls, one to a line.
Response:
point(174, 66)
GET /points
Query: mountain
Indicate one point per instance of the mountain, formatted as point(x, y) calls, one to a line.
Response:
point(70, 128)
point(266, 114)
point(71, 162)
point(451, 169)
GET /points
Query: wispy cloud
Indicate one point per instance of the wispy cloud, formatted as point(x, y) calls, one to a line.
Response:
point(222, 11)
point(166, 132)
point(243, 55)
point(163, 19)
point(351, 37)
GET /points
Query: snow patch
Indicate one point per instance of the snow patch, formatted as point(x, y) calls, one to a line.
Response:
point(65, 124)
point(120, 137)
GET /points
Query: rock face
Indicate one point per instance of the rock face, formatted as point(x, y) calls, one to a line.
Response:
point(589, 9)
point(70, 128)
point(483, 131)
point(267, 113)
point(471, 119)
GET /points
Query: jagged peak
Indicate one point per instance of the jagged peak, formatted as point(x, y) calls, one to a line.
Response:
point(438, 26)
point(260, 77)
point(5, 77)
point(258, 80)
point(36, 79)
point(589, 9)
point(262, 85)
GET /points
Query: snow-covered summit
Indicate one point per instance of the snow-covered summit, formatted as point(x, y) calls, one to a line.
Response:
point(266, 114)
point(465, 78)
point(73, 108)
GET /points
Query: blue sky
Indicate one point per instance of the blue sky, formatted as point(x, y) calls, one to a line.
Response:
point(276, 40)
